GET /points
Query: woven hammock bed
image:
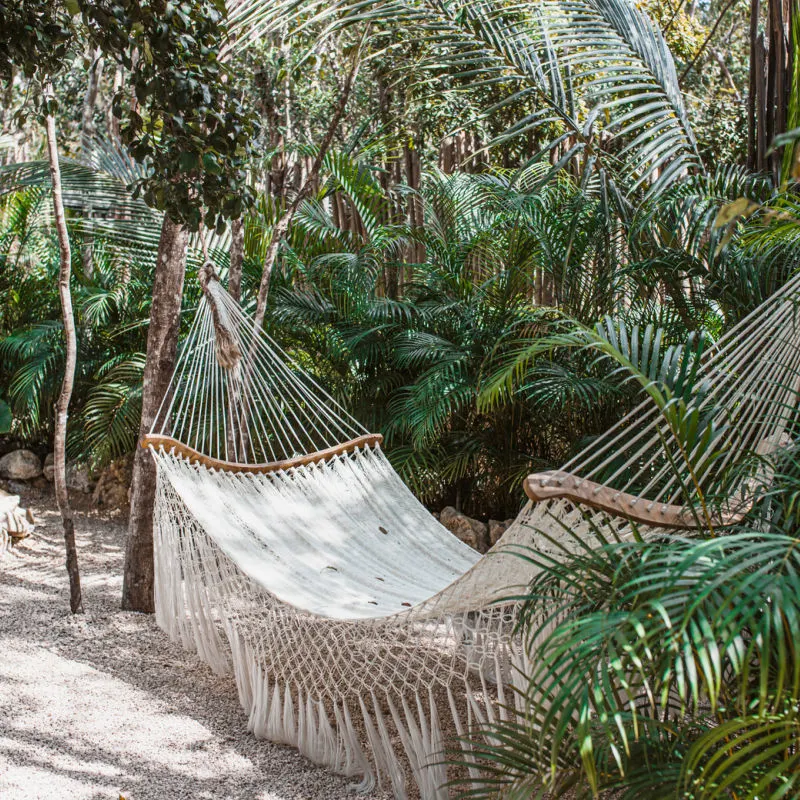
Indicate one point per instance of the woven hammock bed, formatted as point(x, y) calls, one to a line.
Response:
point(358, 629)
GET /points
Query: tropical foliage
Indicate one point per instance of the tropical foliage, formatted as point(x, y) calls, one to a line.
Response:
point(511, 183)
point(662, 667)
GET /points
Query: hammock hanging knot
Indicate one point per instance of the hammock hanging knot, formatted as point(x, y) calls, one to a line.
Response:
point(226, 348)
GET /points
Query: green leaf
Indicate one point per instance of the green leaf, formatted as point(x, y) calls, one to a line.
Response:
point(188, 161)
point(211, 164)
point(5, 417)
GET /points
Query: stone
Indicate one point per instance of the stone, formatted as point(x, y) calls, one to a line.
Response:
point(79, 477)
point(20, 465)
point(15, 523)
point(18, 525)
point(113, 486)
point(470, 531)
point(8, 503)
point(497, 529)
point(15, 487)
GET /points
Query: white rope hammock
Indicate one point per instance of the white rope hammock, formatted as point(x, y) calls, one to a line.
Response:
point(357, 627)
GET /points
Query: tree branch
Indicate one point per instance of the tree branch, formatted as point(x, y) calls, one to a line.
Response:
point(708, 38)
point(282, 226)
point(726, 73)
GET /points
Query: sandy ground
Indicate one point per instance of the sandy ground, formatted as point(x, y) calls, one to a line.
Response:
point(103, 705)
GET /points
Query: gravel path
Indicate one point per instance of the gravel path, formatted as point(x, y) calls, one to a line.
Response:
point(103, 705)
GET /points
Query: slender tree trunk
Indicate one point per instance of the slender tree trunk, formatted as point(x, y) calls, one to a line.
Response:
point(282, 226)
point(62, 406)
point(726, 73)
point(87, 134)
point(112, 122)
point(238, 420)
point(772, 93)
point(754, 81)
point(761, 103)
point(237, 257)
point(162, 343)
point(90, 100)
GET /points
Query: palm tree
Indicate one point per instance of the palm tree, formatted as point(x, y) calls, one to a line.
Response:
point(112, 303)
point(661, 669)
point(414, 366)
point(593, 81)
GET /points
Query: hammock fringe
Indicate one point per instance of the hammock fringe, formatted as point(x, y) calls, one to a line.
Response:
point(358, 629)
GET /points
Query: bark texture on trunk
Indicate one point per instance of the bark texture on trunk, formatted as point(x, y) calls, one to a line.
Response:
point(62, 405)
point(162, 342)
point(237, 257)
point(774, 49)
point(90, 100)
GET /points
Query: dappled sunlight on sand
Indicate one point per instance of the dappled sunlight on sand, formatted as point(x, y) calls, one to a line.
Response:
point(103, 704)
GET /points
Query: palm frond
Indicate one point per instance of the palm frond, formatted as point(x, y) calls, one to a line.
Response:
point(631, 642)
point(585, 71)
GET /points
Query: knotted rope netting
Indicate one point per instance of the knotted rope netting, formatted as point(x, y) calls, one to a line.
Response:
point(358, 628)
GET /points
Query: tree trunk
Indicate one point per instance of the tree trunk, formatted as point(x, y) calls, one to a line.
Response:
point(87, 135)
point(772, 90)
point(237, 257)
point(760, 57)
point(90, 100)
point(112, 122)
point(162, 343)
point(62, 406)
point(726, 73)
point(282, 226)
point(752, 93)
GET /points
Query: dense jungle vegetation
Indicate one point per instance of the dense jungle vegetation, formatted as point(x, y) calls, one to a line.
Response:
point(498, 170)
point(448, 223)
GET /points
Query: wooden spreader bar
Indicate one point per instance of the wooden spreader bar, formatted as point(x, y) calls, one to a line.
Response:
point(196, 457)
point(556, 484)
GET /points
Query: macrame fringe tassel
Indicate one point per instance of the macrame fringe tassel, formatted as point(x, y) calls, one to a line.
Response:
point(289, 716)
point(461, 732)
point(240, 656)
point(168, 581)
point(379, 736)
point(183, 607)
point(383, 754)
point(355, 760)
